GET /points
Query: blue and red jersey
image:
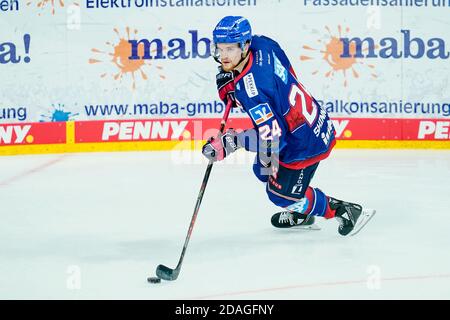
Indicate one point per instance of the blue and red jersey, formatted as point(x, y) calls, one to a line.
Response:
point(283, 112)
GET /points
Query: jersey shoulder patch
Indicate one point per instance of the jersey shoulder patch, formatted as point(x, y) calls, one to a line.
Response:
point(261, 113)
point(279, 69)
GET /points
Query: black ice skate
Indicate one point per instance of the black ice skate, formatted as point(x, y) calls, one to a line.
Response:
point(351, 216)
point(287, 219)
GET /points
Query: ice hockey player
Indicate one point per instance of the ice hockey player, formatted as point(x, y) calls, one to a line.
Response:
point(292, 133)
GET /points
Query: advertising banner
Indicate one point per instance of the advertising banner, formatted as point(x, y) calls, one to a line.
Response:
point(381, 65)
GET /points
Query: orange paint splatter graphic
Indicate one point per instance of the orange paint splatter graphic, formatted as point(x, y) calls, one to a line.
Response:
point(42, 4)
point(119, 57)
point(332, 49)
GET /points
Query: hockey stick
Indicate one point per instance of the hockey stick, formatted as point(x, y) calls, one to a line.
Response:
point(167, 273)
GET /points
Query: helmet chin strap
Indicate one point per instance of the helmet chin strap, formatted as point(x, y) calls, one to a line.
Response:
point(243, 57)
point(217, 59)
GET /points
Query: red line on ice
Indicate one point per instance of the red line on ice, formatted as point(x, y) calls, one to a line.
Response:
point(323, 284)
point(31, 171)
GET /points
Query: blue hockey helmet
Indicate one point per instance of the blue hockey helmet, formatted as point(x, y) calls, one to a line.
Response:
point(233, 29)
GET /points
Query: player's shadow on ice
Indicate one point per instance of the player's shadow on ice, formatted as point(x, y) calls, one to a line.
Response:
point(222, 246)
point(166, 250)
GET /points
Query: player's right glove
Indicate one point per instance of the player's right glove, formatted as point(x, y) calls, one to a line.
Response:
point(225, 85)
point(217, 149)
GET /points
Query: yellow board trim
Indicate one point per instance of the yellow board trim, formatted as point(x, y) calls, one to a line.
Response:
point(393, 144)
point(71, 146)
point(70, 132)
point(96, 147)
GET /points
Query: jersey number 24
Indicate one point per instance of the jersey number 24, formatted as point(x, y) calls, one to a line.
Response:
point(298, 103)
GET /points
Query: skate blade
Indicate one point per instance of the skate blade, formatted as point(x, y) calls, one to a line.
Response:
point(365, 217)
point(312, 227)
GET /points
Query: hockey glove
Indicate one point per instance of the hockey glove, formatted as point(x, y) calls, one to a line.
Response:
point(225, 85)
point(217, 149)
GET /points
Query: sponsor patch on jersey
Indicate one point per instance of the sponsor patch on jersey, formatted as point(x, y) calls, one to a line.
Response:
point(261, 113)
point(250, 86)
point(279, 70)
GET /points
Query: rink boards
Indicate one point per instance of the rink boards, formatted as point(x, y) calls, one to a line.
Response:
point(168, 134)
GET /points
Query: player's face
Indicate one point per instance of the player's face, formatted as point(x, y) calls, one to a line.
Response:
point(230, 54)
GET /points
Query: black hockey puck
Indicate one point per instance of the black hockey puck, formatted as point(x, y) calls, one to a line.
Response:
point(154, 280)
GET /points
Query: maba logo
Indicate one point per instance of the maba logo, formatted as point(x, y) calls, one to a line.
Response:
point(348, 53)
point(406, 45)
point(177, 48)
point(331, 51)
point(49, 5)
point(9, 52)
point(118, 57)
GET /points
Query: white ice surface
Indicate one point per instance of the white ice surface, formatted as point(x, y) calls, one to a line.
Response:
point(96, 225)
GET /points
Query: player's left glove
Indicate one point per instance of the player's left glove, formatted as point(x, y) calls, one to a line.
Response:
point(217, 149)
point(225, 85)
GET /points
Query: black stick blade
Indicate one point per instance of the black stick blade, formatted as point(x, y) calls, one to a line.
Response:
point(166, 273)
